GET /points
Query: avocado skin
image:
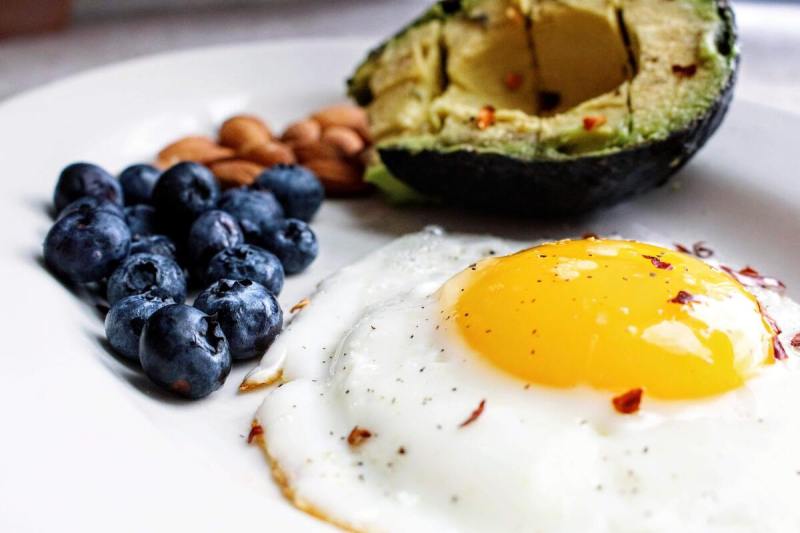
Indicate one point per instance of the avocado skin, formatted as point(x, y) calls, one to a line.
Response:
point(548, 188)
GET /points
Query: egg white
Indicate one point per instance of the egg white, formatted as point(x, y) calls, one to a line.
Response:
point(373, 350)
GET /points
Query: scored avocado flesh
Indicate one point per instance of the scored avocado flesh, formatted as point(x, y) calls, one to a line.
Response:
point(564, 78)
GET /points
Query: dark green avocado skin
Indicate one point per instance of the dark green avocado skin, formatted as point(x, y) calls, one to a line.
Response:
point(553, 188)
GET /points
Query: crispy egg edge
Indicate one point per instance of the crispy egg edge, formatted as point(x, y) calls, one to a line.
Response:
point(287, 490)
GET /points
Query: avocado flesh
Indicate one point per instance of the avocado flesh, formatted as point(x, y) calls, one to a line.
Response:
point(482, 47)
point(580, 52)
point(575, 50)
point(667, 35)
point(583, 63)
point(487, 42)
point(404, 79)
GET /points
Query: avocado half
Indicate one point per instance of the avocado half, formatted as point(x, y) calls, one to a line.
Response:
point(548, 107)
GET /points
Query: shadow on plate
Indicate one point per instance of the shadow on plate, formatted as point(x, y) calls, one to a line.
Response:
point(701, 193)
point(40, 206)
point(93, 295)
point(130, 372)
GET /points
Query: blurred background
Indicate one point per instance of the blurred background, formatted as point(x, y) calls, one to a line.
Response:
point(43, 40)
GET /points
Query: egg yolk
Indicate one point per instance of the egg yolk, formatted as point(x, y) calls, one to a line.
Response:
point(613, 315)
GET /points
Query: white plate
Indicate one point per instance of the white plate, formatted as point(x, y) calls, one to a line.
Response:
point(87, 444)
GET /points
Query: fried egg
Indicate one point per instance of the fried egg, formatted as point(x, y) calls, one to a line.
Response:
point(456, 383)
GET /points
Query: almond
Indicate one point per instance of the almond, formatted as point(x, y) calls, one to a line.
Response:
point(242, 130)
point(346, 140)
point(346, 115)
point(195, 148)
point(316, 150)
point(268, 154)
point(236, 172)
point(302, 132)
point(338, 176)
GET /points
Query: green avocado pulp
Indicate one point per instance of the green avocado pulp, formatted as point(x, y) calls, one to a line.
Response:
point(546, 79)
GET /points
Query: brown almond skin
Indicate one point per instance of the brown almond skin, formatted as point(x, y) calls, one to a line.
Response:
point(236, 172)
point(315, 151)
point(347, 115)
point(268, 154)
point(243, 130)
point(346, 140)
point(302, 132)
point(339, 177)
point(194, 148)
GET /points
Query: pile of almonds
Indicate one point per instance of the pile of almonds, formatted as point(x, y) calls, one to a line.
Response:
point(334, 143)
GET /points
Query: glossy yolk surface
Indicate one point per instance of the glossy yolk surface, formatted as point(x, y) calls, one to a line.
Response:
point(614, 315)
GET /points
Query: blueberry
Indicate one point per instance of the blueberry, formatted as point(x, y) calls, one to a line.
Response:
point(248, 313)
point(257, 211)
point(212, 232)
point(294, 244)
point(146, 272)
point(247, 262)
point(87, 245)
point(126, 318)
point(85, 179)
point(296, 188)
point(183, 350)
point(142, 219)
point(137, 183)
point(90, 203)
point(182, 193)
point(153, 244)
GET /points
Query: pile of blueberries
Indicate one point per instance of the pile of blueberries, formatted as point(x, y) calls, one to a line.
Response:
point(148, 237)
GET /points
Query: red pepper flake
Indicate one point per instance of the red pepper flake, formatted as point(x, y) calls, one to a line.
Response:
point(777, 346)
point(358, 435)
point(485, 117)
point(474, 415)
point(684, 71)
point(513, 81)
point(255, 431)
point(751, 277)
point(750, 272)
point(628, 402)
point(701, 250)
point(778, 349)
point(795, 342)
point(591, 122)
point(682, 297)
point(770, 320)
point(658, 263)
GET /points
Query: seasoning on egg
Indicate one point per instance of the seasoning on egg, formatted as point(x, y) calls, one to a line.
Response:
point(629, 402)
point(682, 297)
point(658, 263)
point(358, 435)
point(795, 342)
point(777, 346)
point(749, 276)
point(701, 250)
point(474, 415)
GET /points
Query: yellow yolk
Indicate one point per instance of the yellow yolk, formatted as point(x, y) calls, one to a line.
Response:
point(614, 315)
